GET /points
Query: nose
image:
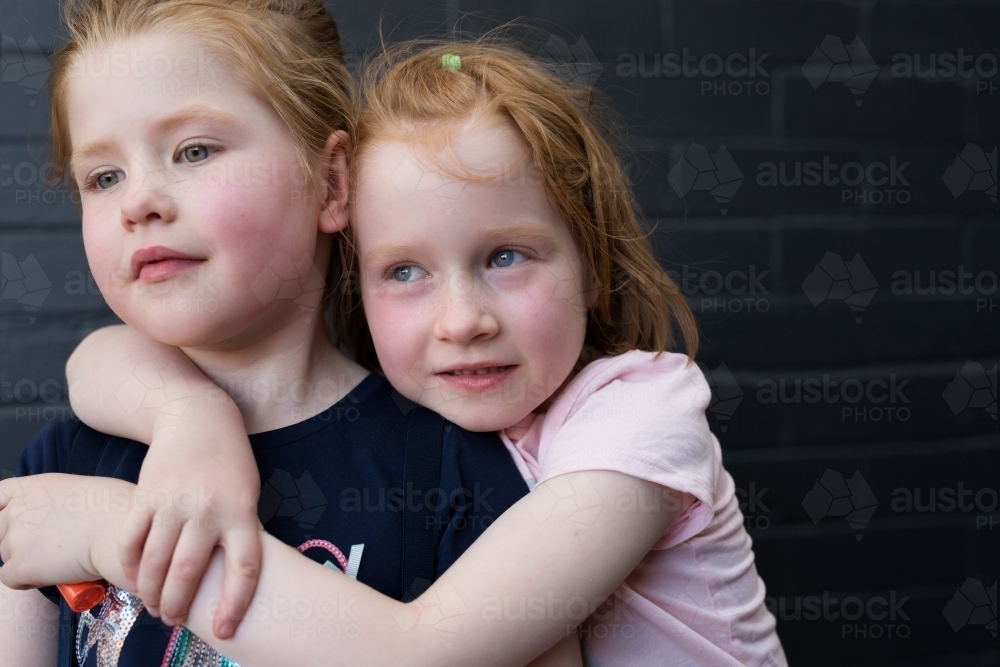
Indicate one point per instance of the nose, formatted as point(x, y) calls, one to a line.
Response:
point(147, 198)
point(465, 315)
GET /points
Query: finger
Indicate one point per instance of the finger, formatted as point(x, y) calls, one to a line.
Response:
point(243, 562)
point(156, 556)
point(6, 491)
point(131, 540)
point(9, 576)
point(194, 550)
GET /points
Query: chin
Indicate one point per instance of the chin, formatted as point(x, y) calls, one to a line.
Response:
point(482, 418)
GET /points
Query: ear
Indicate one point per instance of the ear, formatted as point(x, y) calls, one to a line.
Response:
point(334, 210)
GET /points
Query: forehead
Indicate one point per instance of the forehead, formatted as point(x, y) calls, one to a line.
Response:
point(478, 148)
point(136, 81)
point(479, 183)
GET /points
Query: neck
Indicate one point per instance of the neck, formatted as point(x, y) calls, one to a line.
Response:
point(285, 377)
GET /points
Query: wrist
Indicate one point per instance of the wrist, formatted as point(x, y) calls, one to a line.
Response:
point(103, 553)
point(204, 405)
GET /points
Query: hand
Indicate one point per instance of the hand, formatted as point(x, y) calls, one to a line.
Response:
point(59, 529)
point(198, 488)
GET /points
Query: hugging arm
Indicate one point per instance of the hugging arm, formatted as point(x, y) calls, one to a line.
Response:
point(533, 558)
point(129, 385)
point(519, 590)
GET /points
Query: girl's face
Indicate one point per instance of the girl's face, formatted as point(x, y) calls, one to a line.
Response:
point(196, 218)
point(474, 290)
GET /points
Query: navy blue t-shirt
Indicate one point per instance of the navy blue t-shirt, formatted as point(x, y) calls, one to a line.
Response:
point(335, 477)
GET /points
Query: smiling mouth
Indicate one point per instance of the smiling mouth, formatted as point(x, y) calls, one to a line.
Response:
point(478, 371)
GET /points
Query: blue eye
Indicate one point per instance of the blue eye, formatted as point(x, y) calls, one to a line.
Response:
point(105, 180)
point(407, 273)
point(507, 257)
point(196, 153)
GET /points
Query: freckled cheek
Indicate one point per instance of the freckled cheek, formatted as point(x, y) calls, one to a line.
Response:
point(400, 331)
point(548, 320)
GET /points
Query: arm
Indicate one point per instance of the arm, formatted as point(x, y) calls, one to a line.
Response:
point(127, 384)
point(29, 629)
point(557, 566)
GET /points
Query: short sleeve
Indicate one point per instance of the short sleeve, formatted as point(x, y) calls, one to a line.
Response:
point(643, 416)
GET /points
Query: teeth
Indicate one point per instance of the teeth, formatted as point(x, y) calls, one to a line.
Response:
point(479, 371)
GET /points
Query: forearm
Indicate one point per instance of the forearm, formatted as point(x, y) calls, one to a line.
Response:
point(127, 384)
point(555, 569)
point(29, 629)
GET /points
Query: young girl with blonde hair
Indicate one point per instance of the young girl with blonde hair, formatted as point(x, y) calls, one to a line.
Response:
point(505, 283)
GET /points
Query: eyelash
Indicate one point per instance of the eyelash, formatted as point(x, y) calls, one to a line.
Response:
point(392, 269)
point(91, 183)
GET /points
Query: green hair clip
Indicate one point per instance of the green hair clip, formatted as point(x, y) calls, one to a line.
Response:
point(451, 61)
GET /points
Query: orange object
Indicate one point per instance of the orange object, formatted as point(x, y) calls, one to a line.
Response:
point(84, 596)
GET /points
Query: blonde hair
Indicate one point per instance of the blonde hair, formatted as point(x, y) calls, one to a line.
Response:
point(287, 52)
point(637, 305)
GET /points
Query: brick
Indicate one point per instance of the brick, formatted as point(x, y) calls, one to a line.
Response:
point(925, 28)
point(32, 362)
point(891, 109)
point(39, 19)
point(609, 29)
point(985, 110)
point(665, 180)
point(729, 26)
point(53, 261)
point(986, 246)
point(829, 406)
point(930, 641)
point(25, 199)
point(25, 109)
point(358, 22)
point(677, 106)
point(778, 488)
point(874, 178)
point(893, 332)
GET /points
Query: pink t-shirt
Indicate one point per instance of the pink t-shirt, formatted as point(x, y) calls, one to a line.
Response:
point(695, 598)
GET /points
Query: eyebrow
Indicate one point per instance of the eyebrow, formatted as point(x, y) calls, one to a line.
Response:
point(515, 233)
point(191, 114)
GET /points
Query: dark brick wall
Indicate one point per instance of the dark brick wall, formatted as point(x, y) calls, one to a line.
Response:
point(895, 212)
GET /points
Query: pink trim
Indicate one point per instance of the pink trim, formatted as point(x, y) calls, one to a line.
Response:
point(174, 636)
point(329, 546)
